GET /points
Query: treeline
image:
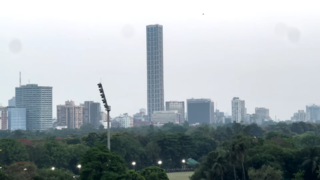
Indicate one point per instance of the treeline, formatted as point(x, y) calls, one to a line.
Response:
point(231, 151)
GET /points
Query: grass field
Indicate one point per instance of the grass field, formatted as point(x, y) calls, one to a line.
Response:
point(179, 175)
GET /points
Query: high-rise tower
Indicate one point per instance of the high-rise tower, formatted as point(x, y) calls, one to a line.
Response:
point(38, 103)
point(155, 69)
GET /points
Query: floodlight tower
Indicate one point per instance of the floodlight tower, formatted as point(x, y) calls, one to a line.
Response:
point(108, 109)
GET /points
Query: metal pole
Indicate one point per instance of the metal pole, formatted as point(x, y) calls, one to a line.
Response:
point(109, 130)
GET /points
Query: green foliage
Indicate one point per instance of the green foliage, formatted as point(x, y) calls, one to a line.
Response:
point(174, 148)
point(56, 154)
point(12, 151)
point(154, 173)
point(21, 171)
point(126, 146)
point(57, 174)
point(99, 163)
point(132, 175)
point(264, 173)
point(299, 175)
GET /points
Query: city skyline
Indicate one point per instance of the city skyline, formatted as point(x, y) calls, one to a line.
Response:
point(227, 52)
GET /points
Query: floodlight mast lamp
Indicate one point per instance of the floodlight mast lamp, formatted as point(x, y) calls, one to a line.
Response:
point(108, 109)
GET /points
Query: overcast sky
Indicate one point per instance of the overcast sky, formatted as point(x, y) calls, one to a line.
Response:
point(265, 52)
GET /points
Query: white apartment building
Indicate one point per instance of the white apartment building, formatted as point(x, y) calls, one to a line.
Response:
point(125, 120)
point(163, 117)
point(239, 110)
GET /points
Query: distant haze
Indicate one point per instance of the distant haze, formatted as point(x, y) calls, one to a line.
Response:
point(267, 53)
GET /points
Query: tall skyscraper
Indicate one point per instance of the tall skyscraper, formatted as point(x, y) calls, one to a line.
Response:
point(92, 113)
point(238, 110)
point(38, 102)
point(200, 111)
point(178, 106)
point(70, 115)
point(155, 69)
point(17, 119)
point(12, 102)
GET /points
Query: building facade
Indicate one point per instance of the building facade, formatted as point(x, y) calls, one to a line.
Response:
point(17, 119)
point(38, 102)
point(218, 117)
point(299, 116)
point(262, 113)
point(238, 110)
point(155, 85)
point(4, 118)
point(12, 102)
point(200, 111)
point(176, 106)
point(92, 113)
point(313, 113)
point(123, 120)
point(70, 115)
point(163, 117)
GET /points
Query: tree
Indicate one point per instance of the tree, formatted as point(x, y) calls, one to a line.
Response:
point(239, 148)
point(2, 174)
point(99, 163)
point(132, 175)
point(299, 175)
point(154, 173)
point(311, 160)
point(219, 167)
point(75, 153)
point(56, 154)
point(90, 139)
point(57, 174)
point(12, 151)
point(21, 171)
point(232, 160)
point(318, 171)
point(264, 173)
point(153, 152)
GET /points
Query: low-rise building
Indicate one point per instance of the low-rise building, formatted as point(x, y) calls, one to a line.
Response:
point(124, 120)
point(163, 117)
point(299, 116)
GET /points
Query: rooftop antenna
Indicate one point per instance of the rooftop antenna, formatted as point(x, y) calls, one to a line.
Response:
point(20, 79)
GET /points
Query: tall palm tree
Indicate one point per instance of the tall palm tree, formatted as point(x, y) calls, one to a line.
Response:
point(219, 167)
point(312, 159)
point(239, 148)
point(232, 160)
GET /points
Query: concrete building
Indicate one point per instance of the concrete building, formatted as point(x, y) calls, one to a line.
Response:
point(12, 102)
point(262, 113)
point(155, 87)
point(177, 106)
point(163, 117)
point(70, 115)
point(92, 113)
point(140, 116)
point(238, 110)
point(38, 102)
point(218, 117)
point(124, 120)
point(228, 119)
point(4, 118)
point(200, 111)
point(313, 113)
point(17, 119)
point(299, 116)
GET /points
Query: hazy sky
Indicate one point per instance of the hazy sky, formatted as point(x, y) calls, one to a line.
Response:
point(265, 52)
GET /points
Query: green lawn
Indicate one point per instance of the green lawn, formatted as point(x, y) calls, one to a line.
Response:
point(179, 175)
